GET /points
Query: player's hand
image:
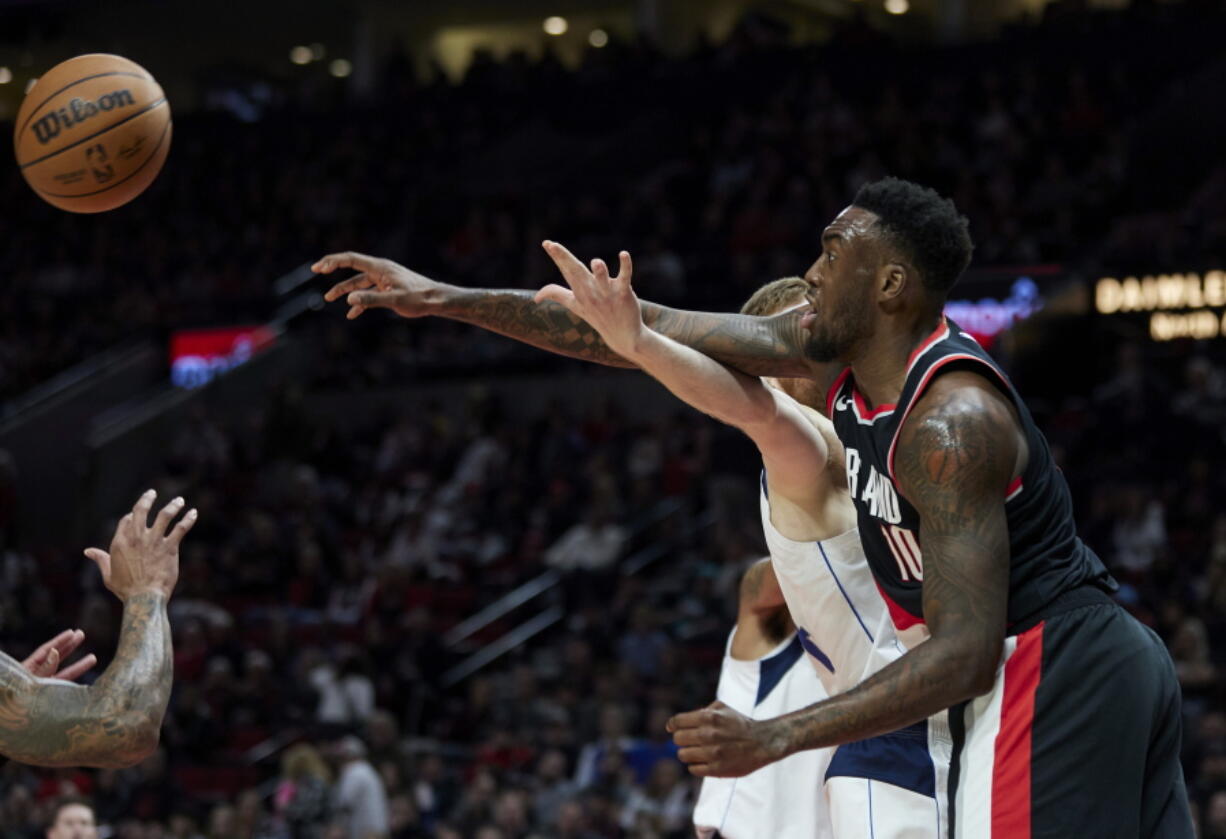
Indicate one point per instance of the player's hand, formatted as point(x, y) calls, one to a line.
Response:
point(607, 303)
point(380, 284)
point(718, 742)
point(144, 559)
point(45, 661)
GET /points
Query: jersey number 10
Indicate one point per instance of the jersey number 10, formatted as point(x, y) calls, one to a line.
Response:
point(906, 550)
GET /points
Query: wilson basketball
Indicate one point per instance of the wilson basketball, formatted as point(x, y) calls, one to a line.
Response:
point(93, 133)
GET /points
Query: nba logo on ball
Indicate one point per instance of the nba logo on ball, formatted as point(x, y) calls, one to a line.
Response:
point(93, 133)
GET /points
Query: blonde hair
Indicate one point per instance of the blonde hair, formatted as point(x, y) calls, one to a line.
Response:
point(775, 296)
point(303, 761)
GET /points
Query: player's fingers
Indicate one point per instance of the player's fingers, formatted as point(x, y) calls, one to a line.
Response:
point(102, 559)
point(554, 293)
point(59, 642)
point(166, 515)
point(693, 737)
point(690, 719)
point(567, 262)
point(354, 283)
point(67, 642)
point(695, 754)
point(354, 312)
point(372, 300)
point(347, 259)
point(77, 669)
point(51, 663)
point(625, 268)
point(183, 527)
point(600, 271)
point(701, 770)
point(140, 512)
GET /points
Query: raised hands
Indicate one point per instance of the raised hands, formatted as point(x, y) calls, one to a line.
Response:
point(45, 661)
point(144, 559)
point(607, 303)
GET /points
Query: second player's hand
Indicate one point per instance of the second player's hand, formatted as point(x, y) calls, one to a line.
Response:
point(607, 303)
point(45, 661)
point(380, 284)
point(144, 559)
point(718, 742)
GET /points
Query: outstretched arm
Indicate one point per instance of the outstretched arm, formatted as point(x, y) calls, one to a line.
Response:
point(758, 346)
point(793, 447)
point(956, 455)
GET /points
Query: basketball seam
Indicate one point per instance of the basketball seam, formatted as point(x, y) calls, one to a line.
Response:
point(86, 139)
point(77, 82)
point(126, 178)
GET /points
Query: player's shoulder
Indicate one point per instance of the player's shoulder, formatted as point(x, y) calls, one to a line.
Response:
point(961, 418)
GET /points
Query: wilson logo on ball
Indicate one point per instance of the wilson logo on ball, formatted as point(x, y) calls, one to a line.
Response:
point(48, 127)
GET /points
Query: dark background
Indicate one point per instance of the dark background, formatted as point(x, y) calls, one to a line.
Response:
point(365, 488)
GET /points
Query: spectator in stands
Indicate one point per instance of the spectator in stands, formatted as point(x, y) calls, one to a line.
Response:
point(593, 544)
point(359, 800)
point(72, 818)
point(301, 798)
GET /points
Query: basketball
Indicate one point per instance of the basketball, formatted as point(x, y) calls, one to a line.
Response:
point(92, 133)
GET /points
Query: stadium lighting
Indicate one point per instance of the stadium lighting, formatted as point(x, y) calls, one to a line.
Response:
point(598, 38)
point(300, 55)
point(897, 7)
point(6, 75)
point(340, 68)
point(556, 25)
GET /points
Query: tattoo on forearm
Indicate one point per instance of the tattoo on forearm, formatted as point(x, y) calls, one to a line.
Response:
point(756, 346)
point(547, 326)
point(110, 723)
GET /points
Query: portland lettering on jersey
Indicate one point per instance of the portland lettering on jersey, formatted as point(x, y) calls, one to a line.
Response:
point(48, 126)
point(879, 494)
point(1045, 555)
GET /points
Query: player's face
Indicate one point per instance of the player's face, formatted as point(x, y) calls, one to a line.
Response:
point(840, 288)
point(74, 822)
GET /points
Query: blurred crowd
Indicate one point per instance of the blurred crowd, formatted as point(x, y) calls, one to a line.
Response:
point(317, 692)
point(1072, 141)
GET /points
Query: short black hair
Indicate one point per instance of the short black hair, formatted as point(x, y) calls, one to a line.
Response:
point(927, 228)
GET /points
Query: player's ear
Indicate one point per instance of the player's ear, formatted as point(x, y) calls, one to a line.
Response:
point(892, 280)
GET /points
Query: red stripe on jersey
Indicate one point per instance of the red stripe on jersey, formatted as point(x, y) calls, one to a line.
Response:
point(834, 391)
point(862, 407)
point(1011, 765)
point(938, 334)
point(919, 392)
point(903, 619)
point(1015, 487)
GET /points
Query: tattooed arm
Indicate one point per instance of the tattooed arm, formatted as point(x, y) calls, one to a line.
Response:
point(114, 722)
point(757, 346)
point(111, 723)
point(956, 454)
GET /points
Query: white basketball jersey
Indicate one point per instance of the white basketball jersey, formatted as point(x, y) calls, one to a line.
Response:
point(785, 799)
point(840, 616)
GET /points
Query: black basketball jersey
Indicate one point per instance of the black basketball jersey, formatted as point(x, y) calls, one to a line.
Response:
point(1046, 556)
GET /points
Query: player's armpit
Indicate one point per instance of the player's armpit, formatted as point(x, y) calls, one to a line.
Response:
point(112, 723)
